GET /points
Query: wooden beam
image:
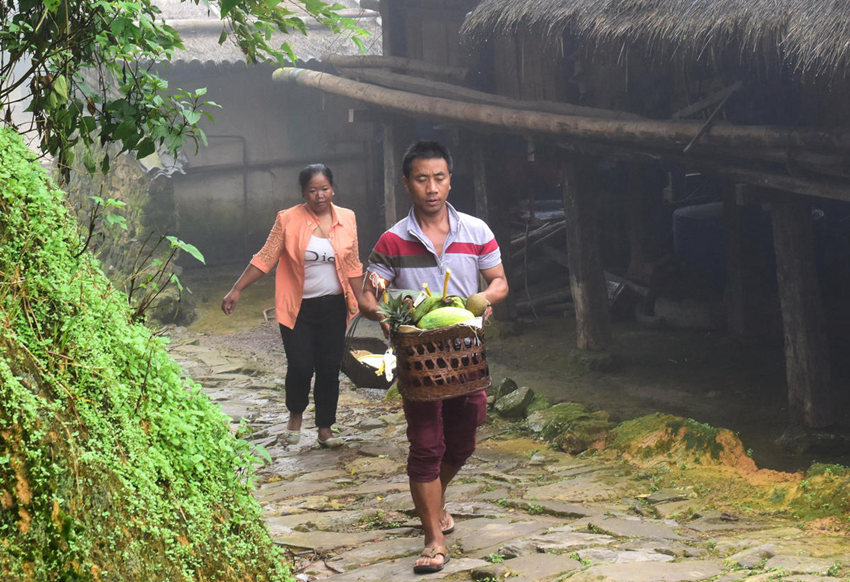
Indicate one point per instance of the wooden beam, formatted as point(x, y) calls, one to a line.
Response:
point(807, 361)
point(739, 141)
point(401, 63)
point(587, 278)
point(431, 88)
point(768, 177)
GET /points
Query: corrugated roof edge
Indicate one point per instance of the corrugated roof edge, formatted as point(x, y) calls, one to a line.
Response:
point(200, 38)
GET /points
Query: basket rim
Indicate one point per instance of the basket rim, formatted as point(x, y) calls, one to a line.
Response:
point(452, 330)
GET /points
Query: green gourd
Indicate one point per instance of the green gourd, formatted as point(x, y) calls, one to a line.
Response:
point(444, 317)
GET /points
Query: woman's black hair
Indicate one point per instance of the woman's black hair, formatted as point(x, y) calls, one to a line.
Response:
point(308, 172)
point(428, 150)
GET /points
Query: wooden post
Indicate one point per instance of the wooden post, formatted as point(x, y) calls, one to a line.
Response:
point(479, 178)
point(742, 289)
point(644, 193)
point(392, 174)
point(587, 280)
point(807, 363)
point(388, 25)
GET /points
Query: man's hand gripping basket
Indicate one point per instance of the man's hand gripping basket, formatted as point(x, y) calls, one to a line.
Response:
point(440, 363)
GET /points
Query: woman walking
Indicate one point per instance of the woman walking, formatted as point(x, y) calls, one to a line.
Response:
point(317, 284)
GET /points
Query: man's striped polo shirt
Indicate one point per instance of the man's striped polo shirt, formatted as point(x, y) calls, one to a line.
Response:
point(405, 257)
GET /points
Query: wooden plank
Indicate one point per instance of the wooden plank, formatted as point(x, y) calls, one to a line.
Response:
point(807, 362)
point(434, 49)
point(587, 278)
point(412, 36)
point(392, 175)
point(506, 73)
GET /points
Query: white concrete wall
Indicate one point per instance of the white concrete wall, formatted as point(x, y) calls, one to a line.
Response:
point(262, 137)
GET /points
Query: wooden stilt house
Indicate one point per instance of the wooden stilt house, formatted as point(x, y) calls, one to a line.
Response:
point(731, 110)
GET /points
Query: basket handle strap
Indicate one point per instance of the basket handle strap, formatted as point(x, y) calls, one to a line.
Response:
point(352, 326)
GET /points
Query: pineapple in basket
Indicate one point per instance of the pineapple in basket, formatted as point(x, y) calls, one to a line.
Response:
point(397, 311)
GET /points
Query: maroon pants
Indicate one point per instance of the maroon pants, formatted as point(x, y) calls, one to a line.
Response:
point(442, 432)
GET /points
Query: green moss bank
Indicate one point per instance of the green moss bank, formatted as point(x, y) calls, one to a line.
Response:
point(114, 466)
point(686, 453)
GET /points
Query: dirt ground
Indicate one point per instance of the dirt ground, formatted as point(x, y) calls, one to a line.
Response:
point(706, 376)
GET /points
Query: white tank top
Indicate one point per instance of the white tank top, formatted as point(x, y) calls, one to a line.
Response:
point(320, 269)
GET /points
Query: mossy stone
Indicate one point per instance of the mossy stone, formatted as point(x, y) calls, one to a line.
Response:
point(515, 404)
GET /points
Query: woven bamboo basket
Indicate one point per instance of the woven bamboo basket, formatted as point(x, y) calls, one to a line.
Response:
point(440, 363)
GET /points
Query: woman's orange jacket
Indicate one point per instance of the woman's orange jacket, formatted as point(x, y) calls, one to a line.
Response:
point(286, 246)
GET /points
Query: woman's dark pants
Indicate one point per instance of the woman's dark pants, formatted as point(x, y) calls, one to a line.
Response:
point(315, 344)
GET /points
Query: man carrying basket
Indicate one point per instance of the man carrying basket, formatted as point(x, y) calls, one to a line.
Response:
point(420, 249)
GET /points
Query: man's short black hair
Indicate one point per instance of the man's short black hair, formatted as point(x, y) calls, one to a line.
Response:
point(427, 150)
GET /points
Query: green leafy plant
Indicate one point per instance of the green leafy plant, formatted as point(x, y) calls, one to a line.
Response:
point(151, 275)
point(100, 214)
point(111, 460)
point(89, 69)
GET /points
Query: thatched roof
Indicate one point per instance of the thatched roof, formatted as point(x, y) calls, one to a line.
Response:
point(200, 26)
point(809, 37)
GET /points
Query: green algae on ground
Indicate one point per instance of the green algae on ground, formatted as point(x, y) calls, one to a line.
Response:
point(114, 465)
point(824, 491)
point(660, 434)
point(714, 461)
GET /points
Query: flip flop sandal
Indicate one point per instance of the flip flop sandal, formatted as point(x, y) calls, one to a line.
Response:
point(430, 553)
point(451, 526)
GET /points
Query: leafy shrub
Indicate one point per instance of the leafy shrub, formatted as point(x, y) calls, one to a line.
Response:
point(114, 465)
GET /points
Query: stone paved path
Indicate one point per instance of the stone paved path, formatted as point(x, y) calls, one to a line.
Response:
point(523, 512)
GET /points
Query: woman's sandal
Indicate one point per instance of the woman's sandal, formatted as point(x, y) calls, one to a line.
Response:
point(330, 443)
point(291, 437)
point(431, 553)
